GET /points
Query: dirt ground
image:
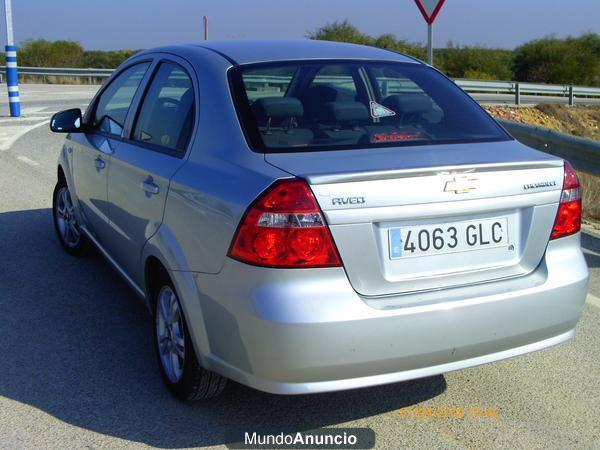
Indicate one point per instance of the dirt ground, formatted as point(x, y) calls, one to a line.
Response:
point(580, 121)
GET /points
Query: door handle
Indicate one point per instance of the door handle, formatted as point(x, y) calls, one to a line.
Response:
point(99, 163)
point(150, 186)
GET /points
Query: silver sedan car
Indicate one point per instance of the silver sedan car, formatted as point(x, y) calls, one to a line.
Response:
point(304, 216)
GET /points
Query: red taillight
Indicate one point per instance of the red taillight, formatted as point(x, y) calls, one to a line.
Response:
point(568, 217)
point(285, 228)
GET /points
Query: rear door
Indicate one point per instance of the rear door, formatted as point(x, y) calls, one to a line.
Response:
point(92, 150)
point(142, 166)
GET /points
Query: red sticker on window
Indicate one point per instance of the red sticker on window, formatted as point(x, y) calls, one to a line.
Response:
point(395, 137)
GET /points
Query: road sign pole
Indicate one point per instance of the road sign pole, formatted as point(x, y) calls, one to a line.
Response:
point(430, 10)
point(430, 44)
point(12, 73)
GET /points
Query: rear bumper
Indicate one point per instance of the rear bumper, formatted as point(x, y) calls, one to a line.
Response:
point(305, 331)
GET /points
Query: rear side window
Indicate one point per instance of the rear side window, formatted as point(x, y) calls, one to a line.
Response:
point(166, 117)
point(113, 104)
point(324, 105)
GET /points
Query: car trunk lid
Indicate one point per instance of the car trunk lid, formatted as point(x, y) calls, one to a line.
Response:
point(432, 217)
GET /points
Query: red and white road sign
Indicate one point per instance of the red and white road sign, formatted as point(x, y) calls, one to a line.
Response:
point(430, 9)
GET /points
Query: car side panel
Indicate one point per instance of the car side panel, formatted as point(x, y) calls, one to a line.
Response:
point(204, 206)
point(210, 193)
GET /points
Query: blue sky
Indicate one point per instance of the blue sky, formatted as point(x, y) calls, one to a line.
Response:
point(116, 24)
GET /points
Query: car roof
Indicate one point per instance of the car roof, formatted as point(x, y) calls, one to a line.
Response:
point(253, 51)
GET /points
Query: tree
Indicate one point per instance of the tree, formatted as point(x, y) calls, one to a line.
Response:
point(574, 60)
point(42, 53)
point(341, 32)
point(475, 62)
point(560, 61)
point(455, 61)
point(346, 32)
point(106, 60)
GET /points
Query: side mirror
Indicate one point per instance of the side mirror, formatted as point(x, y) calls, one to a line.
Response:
point(68, 121)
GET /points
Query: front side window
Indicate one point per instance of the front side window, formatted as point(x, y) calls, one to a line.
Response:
point(113, 104)
point(166, 116)
point(324, 105)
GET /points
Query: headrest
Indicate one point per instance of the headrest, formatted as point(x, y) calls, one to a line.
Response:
point(278, 107)
point(409, 103)
point(337, 112)
point(321, 93)
point(326, 93)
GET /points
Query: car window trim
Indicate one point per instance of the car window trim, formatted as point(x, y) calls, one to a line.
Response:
point(94, 103)
point(181, 154)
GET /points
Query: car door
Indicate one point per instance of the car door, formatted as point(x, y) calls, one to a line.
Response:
point(142, 166)
point(92, 150)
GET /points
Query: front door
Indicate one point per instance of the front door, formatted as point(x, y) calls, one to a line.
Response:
point(92, 150)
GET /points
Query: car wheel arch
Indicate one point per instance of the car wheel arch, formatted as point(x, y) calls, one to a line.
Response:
point(60, 174)
point(154, 270)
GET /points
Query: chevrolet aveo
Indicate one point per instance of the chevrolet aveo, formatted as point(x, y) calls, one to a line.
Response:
point(304, 216)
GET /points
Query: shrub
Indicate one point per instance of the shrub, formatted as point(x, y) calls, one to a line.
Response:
point(42, 53)
point(560, 61)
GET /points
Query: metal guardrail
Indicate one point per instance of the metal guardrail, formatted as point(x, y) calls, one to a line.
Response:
point(395, 86)
point(517, 89)
point(60, 72)
point(583, 153)
point(390, 85)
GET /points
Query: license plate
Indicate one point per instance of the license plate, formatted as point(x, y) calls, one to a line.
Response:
point(436, 239)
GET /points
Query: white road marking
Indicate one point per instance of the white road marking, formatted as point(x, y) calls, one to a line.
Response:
point(33, 110)
point(26, 160)
point(593, 300)
point(19, 120)
point(17, 132)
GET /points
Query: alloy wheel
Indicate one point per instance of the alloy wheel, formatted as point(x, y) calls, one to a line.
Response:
point(65, 218)
point(170, 334)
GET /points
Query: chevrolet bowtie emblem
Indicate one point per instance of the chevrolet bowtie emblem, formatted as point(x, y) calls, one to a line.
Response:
point(461, 184)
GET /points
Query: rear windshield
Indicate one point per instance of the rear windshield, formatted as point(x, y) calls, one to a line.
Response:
point(329, 105)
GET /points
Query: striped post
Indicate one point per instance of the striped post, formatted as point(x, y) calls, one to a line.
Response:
point(12, 80)
point(12, 74)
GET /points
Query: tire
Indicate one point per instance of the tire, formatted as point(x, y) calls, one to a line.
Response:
point(67, 228)
point(181, 372)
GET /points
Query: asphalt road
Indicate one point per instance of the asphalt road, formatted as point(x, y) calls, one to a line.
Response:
point(78, 368)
